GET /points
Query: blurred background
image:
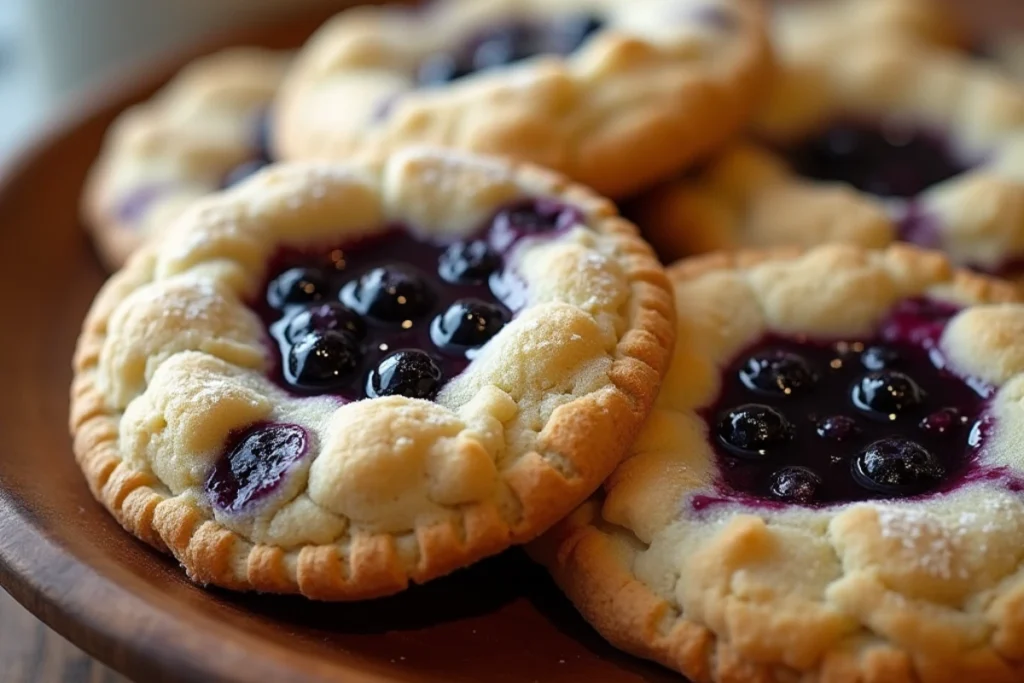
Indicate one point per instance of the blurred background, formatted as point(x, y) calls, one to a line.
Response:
point(50, 49)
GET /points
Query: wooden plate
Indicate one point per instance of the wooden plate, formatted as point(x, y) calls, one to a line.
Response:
point(65, 559)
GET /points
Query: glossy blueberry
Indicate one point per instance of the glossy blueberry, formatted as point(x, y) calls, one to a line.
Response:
point(329, 316)
point(795, 484)
point(297, 286)
point(389, 294)
point(468, 323)
point(411, 373)
point(897, 466)
point(887, 394)
point(468, 263)
point(777, 373)
point(879, 358)
point(837, 428)
point(322, 361)
point(254, 465)
point(942, 421)
point(528, 219)
point(754, 429)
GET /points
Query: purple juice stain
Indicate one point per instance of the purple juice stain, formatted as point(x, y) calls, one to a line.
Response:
point(713, 16)
point(851, 420)
point(887, 159)
point(136, 203)
point(919, 227)
point(395, 314)
point(255, 463)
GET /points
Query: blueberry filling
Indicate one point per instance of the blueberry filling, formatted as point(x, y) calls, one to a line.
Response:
point(468, 263)
point(466, 324)
point(395, 314)
point(888, 160)
point(297, 286)
point(777, 373)
point(390, 293)
point(255, 463)
point(411, 373)
point(754, 430)
point(810, 423)
point(508, 44)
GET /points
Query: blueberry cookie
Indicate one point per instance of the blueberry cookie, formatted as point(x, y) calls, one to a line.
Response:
point(334, 379)
point(830, 486)
point(205, 130)
point(865, 143)
point(615, 95)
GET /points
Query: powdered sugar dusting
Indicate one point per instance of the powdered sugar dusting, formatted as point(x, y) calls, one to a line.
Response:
point(935, 542)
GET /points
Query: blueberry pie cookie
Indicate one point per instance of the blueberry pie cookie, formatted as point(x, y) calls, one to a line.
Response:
point(831, 485)
point(334, 379)
point(205, 130)
point(864, 142)
point(615, 95)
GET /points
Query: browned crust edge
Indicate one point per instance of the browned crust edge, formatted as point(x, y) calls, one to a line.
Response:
point(593, 571)
point(593, 433)
point(645, 141)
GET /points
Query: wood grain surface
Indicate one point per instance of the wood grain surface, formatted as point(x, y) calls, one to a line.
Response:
point(32, 653)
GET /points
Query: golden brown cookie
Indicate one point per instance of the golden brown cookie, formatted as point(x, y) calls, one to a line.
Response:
point(615, 95)
point(205, 130)
point(864, 140)
point(334, 379)
point(829, 488)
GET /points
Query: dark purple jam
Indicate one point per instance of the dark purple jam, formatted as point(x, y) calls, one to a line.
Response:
point(889, 160)
point(812, 423)
point(256, 461)
point(506, 44)
point(396, 315)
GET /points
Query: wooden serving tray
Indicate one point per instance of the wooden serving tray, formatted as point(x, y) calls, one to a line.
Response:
point(65, 559)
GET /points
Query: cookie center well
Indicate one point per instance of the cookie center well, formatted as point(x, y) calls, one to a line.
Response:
point(886, 158)
point(808, 422)
point(507, 43)
point(395, 314)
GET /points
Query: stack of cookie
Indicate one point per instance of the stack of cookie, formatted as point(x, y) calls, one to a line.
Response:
point(377, 317)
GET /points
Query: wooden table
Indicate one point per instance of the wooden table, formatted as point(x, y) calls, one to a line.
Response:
point(32, 653)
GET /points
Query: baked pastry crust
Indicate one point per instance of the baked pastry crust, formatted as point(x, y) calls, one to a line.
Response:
point(171, 362)
point(658, 88)
point(926, 589)
point(813, 24)
point(747, 198)
point(750, 198)
point(178, 146)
